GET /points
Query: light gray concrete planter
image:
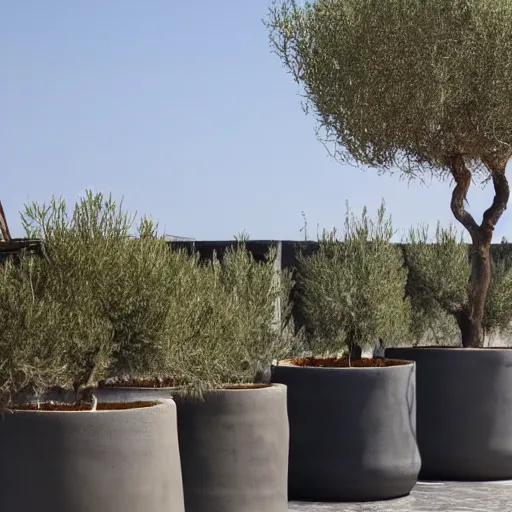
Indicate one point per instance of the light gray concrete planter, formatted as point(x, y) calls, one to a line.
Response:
point(234, 450)
point(105, 461)
point(464, 411)
point(352, 432)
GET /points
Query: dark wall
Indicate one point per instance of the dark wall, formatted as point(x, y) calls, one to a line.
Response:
point(258, 248)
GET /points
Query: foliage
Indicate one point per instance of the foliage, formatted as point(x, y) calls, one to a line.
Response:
point(44, 342)
point(438, 280)
point(498, 313)
point(103, 304)
point(352, 290)
point(258, 295)
point(123, 281)
point(404, 83)
point(103, 301)
point(237, 328)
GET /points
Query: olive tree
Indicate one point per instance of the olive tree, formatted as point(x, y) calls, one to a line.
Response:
point(47, 341)
point(419, 86)
point(232, 336)
point(352, 290)
point(122, 288)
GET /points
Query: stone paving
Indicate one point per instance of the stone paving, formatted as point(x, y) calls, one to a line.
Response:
point(430, 497)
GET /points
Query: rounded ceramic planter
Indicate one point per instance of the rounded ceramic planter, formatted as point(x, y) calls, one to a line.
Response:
point(352, 432)
point(464, 411)
point(234, 450)
point(109, 461)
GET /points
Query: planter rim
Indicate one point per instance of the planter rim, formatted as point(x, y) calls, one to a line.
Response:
point(452, 349)
point(257, 388)
point(145, 388)
point(129, 410)
point(404, 364)
point(232, 387)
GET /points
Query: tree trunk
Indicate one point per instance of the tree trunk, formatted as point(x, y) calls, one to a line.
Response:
point(470, 318)
point(478, 289)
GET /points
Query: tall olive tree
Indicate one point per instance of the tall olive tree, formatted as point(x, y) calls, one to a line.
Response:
point(422, 86)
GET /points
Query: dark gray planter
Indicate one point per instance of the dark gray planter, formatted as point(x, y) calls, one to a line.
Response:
point(106, 461)
point(352, 432)
point(234, 450)
point(464, 411)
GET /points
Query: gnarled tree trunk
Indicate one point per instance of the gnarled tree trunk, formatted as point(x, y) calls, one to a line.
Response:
point(470, 317)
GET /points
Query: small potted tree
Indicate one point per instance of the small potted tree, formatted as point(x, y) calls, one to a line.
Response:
point(55, 343)
point(438, 270)
point(352, 419)
point(232, 427)
point(233, 432)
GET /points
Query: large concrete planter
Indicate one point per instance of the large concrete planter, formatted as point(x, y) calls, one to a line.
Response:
point(234, 450)
point(107, 461)
point(352, 432)
point(464, 411)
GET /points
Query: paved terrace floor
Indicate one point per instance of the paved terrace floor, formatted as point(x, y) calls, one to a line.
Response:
point(430, 497)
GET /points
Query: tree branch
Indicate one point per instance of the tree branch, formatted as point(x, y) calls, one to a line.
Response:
point(4, 228)
point(462, 177)
point(450, 307)
point(496, 167)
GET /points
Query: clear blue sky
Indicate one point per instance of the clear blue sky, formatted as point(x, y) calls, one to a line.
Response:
point(180, 108)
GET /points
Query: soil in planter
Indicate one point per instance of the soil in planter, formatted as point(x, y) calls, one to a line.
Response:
point(345, 362)
point(55, 407)
point(155, 383)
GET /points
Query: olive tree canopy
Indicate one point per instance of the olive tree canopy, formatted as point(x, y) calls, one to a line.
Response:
point(403, 83)
point(415, 85)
